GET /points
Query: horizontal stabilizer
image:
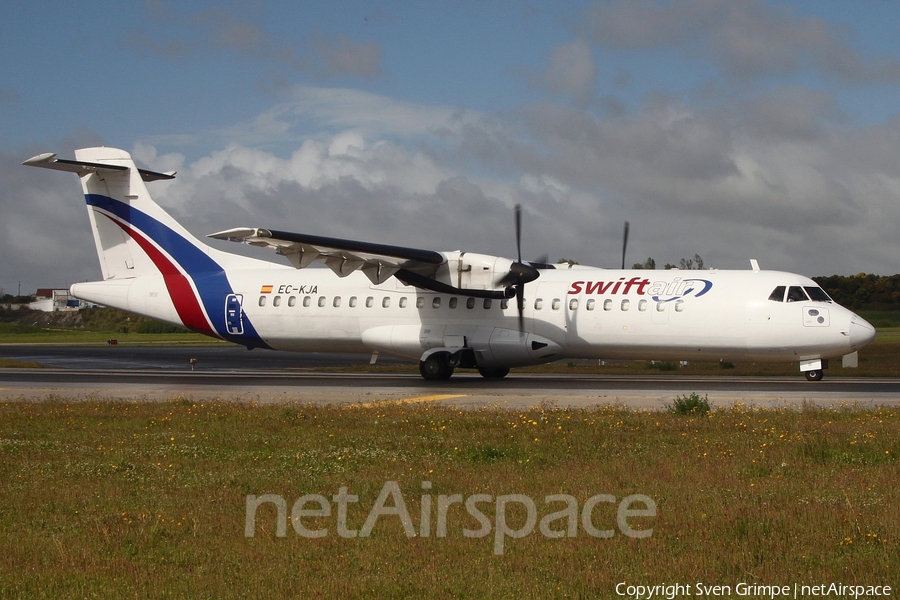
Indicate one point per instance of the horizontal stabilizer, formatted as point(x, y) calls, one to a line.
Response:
point(49, 161)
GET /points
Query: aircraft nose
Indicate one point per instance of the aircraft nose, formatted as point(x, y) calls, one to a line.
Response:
point(861, 332)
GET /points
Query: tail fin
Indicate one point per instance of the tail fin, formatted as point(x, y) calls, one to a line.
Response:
point(135, 238)
point(123, 215)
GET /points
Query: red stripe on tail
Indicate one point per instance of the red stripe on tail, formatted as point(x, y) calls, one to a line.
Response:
point(180, 290)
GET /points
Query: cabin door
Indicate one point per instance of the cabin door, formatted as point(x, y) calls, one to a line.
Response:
point(234, 315)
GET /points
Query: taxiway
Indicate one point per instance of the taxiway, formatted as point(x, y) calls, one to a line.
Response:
point(234, 374)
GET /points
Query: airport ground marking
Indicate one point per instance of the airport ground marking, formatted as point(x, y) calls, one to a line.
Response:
point(413, 400)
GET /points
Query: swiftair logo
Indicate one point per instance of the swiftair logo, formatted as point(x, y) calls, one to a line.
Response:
point(659, 291)
point(562, 516)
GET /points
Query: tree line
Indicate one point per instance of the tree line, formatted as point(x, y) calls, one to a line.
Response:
point(13, 299)
point(863, 290)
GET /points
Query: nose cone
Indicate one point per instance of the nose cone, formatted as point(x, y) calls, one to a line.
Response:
point(861, 332)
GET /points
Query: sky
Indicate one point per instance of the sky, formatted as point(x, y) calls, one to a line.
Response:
point(732, 129)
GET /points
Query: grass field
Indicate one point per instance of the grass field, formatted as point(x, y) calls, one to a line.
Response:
point(13, 333)
point(104, 499)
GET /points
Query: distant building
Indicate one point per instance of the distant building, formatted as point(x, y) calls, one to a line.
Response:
point(50, 300)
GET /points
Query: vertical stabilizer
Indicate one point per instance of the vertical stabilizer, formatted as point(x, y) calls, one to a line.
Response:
point(151, 264)
point(119, 206)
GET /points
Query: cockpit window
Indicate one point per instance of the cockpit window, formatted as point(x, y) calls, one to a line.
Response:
point(796, 294)
point(777, 294)
point(817, 294)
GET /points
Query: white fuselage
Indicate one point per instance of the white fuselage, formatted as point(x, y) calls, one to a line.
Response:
point(587, 313)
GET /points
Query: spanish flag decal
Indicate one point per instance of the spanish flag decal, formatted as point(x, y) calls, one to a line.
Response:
point(266, 289)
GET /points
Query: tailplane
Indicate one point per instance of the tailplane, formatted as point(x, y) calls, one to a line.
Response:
point(124, 218)
point(150, 263)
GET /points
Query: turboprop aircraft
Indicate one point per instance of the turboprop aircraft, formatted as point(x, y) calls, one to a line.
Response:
point(443, 309)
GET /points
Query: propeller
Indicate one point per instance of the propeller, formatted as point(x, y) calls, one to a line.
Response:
point(624, 243)
point(519, 273)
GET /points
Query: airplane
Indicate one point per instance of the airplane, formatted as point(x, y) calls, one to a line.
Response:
point(446, 310)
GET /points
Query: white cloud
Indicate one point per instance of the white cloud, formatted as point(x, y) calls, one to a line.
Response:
point(745, 38)
point(343, 56)
point(313, 112)
point(238, 30)
point(572, 72)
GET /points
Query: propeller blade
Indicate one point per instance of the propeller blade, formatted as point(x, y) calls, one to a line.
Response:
point(520, 303)
point(624, 243)
point(518, 211)
point(519, 273)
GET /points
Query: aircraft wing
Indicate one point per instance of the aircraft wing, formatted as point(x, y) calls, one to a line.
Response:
point(378, 261)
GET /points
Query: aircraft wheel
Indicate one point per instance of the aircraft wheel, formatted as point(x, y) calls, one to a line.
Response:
point(497, 373)
point(436, 367)
point(815, 375)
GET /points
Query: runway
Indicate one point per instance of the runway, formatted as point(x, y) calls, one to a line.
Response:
point(234, 374)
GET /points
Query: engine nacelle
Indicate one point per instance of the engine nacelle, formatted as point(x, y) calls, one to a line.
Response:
point(490, 347)
point(511, 348)
point(472, 271)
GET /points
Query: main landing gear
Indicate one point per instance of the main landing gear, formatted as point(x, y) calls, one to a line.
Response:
point(437, 367)
point(497, 373)
point(440, 365)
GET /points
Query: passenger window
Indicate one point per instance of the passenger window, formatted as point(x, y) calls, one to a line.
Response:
point(487, 304)
point(817, 294)
point(276, 301)
point(796, 294)
point(555, 304)
point(321, 301)
point(336, 302)
point(262, 300)
point(292, 301)
point(470, 302)
point(590, 304)
point(352, 301)
point(679, 306)
point(504, 304)
point(538, 303)
point(660, 307)
point(420, 302)
point(777, 294)
point(386, 302)
point(453, 302)
point(573, 304)
point(403, 302)
point(607, 305)
point(370, 302)
point(642, 305)
point(306, 301)
point(626, 304)
point(436, 302)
